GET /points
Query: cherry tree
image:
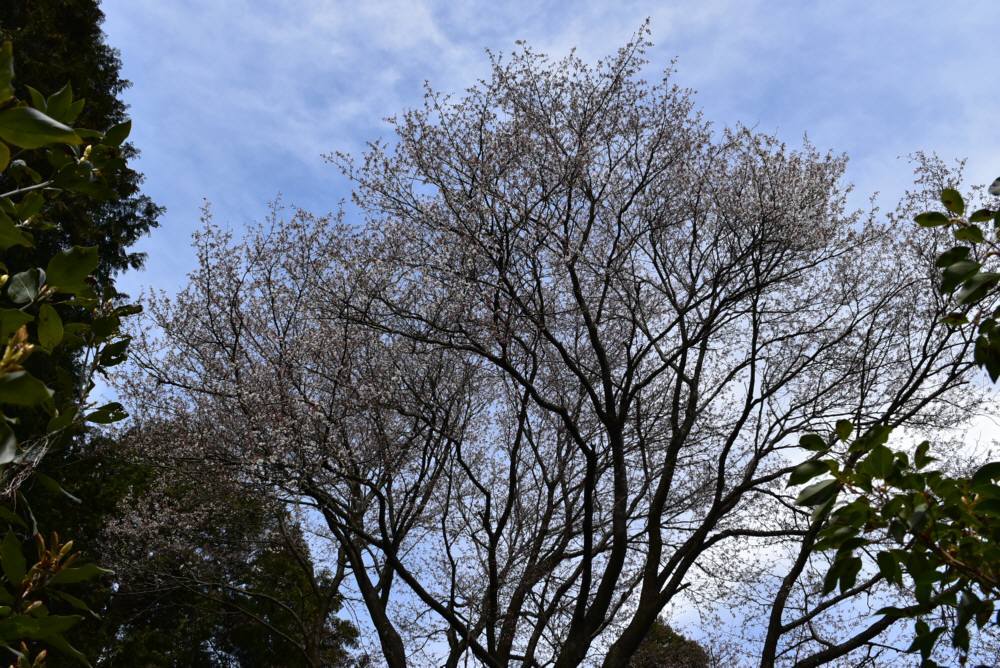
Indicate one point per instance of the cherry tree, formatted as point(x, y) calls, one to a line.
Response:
point(554, 378)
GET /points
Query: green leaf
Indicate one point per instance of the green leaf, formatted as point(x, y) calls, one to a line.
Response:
point(117, 134)
point(73, 113)
point(920, 457)
point(25, 286)
point(12, 559)
point(986, 473)
point(127, 310)
point(37, 99)
point(806, 471)
point(4, 156)
point(54, 486)
point(977, 287)
point(11, 234)
point(892, 612)
point(105, 326)
point(79, 574)
point(822, 509)
point(830, 581)
point(61, 644)
point(970, 233)
point(849, 573)
point(30, 205)
point(844, 429)
point(30, 128)
point(20, 388)
point(954, 274)
point(50, 327)
point(6, 71)
point(813, 442)
point(952, 201)
point(108, 413)
point(879, 460)
point(76, 603)
point(889, 567)
point(924, 639)
point(114, 353)
point(855, 514)
point(877, 435)
point(58, 103)
point(11, 320)
point(63, 419)
point(68, 269)
point(932, 219)
point(981, 216)
point(817, 493)
point(986, 353)
point(46, 628)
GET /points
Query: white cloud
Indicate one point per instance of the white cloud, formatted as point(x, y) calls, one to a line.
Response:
point(237, 100)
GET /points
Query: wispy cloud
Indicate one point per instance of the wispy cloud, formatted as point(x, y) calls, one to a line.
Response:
point(237, 100)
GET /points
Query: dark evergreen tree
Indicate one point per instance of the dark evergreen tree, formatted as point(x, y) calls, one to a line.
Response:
point(59, 42)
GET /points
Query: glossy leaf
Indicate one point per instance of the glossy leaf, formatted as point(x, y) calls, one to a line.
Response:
point(11, 320)
point(880, 460)
point(58, 104)
point(37, 99)
point(986, 473)
point(952, 255)
point(19, 388)
point(889, 568)
point(117, 134)
point(955, 274)
point(54, 486)
point(108, 413)
point(813, 442)
point(977, 287)
point(806, 471)
point(920, 457)
point(817, 493)
point(25, 286)
point(50, 327)
point(29, 128)
point(11, 234)
point(79, 574)
point(68, 269)
point(981, 216)
point(114, 353)
point(952, 201)
point(971, 233)
point(932, 219)
point(14, 566)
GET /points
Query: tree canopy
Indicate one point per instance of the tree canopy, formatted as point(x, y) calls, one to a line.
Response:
point(557, 379)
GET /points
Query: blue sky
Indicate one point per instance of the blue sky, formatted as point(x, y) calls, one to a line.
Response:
point(235, 101)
